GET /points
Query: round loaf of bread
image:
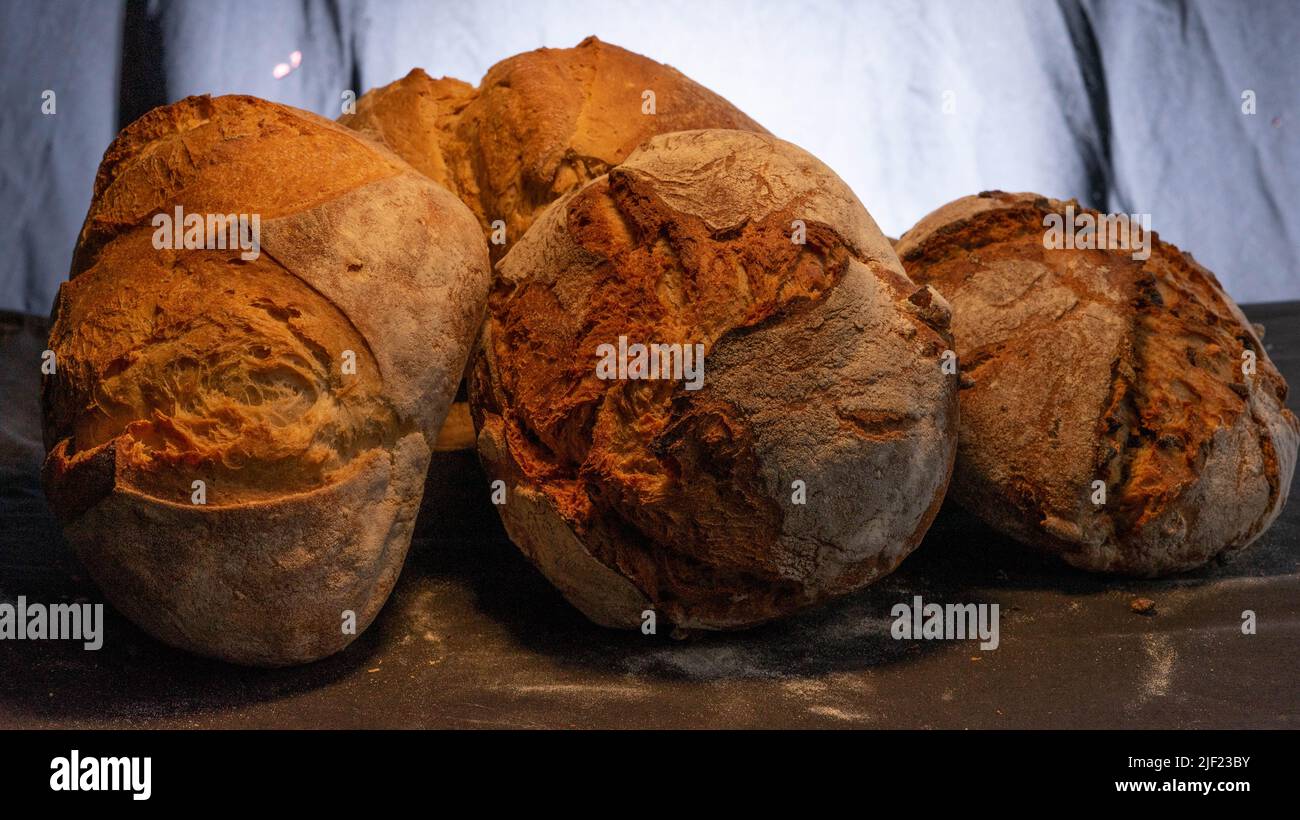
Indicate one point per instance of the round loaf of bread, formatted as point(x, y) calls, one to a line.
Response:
point(1123, 415)
point(804, 455)
point(541, 124)
point(238, 431)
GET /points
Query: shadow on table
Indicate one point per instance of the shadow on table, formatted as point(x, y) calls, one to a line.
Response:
point(961, 560)
point(132, 678)
point(460, 541)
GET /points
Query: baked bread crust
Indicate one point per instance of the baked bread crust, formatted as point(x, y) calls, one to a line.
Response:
point(822, 366)
point(1091, 365)
point(540, 125)
point(181, 365)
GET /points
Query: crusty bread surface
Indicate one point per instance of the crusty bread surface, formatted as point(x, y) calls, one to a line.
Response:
point(304, 387)
point(822, 368)
point(1091, 365)
point(540, 124)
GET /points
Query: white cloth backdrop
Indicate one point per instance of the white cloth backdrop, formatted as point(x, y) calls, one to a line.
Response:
point(1132, 106)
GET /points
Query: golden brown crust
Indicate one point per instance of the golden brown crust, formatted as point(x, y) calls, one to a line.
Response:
point(416, 117)
point(819, 368)
point(1091, 365)
point(540, 125)
point(199, 369)
point(303, 385)
point(186, 154)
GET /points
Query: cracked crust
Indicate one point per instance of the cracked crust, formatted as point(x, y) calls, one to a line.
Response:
point(1089, 365)
point(822, 365)
point(176, 366)
point(540, 125)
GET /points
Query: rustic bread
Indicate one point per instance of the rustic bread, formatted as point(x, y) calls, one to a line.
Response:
point(822, 367)
point(541, 124)
point(1092, 365)
point(304, 387)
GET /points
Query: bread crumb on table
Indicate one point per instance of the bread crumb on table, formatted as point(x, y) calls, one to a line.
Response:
point(1142, 606)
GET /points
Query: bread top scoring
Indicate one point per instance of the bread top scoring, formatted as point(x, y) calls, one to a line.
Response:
point(198, 364)
point(689, 240)
point(232, 154)
point(541, 124)
point(1091, 364)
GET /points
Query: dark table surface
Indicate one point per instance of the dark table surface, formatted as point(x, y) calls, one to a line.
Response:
point(473, 636)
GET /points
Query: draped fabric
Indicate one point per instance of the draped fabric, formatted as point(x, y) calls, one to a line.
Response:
point(1134, 107)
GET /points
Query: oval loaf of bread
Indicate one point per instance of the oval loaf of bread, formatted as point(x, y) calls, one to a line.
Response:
point(1124, 415)
point(814, 453)
point(237, 442)
point(541, 124)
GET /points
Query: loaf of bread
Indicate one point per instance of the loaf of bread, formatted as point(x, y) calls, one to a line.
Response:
point(541, 124)
point(1123, 414)
point(807, 459)
point(237, 440)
